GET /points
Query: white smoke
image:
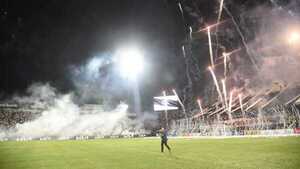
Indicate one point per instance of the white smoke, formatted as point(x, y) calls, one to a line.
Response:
point(62, 118)
point(62, 115)
point(38, 94)
point(96, 81)
point(277, 61)
point(52, 121)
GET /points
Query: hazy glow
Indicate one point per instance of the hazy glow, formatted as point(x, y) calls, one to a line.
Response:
point(294, 37)
point(93, 67)
point(130, 62)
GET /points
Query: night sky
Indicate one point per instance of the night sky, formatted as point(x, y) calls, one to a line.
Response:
point(41, 40)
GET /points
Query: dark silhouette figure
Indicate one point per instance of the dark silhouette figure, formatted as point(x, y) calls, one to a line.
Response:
point(164, 140)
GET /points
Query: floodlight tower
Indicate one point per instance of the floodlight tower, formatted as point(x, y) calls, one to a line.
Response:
point(131, 64)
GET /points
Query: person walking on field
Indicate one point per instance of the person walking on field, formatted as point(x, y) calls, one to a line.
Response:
point(164, 139)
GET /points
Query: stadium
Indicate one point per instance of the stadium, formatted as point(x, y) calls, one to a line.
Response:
point(158, 84)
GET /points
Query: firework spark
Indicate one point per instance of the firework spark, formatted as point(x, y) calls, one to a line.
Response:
point(218, 111)
point(292, 100)
point(216, 83)
point(228, 54)
point(224, 92)
point(181, 10)
point(191, 31)
point(183, 51)
point(257, 101)
point(242, 37)
point(220, 10)
point(241, 104)
point(225, 64)
point(239, 107)
point(210, 26)
point(210, 47)
point(181, 104)
point(230, 104)
point(275, 97)
point(200, 105)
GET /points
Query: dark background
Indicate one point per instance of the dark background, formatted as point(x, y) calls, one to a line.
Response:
point(40, 40)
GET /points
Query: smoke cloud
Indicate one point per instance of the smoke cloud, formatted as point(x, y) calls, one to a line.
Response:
point(62, 118)
point(68, 115)
point(97, 81)
point(268, 31)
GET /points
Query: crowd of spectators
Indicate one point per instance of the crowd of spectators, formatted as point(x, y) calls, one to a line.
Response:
point(10, 117)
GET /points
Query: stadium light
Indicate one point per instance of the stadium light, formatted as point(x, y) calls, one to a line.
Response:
point(130, 62)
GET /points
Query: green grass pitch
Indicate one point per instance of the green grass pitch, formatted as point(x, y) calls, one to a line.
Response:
point(235, 153)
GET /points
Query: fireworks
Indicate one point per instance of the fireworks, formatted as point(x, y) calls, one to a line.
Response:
point(191, 31)
point(181, 11)
point(242, 37)
point(224, 92)
point(211, 26)
point(257, 101)
point(216, 83)
point(230, 104)
point(273, 98)
point(200, 106)
point(210, 47)
point(239, 99)
point(241, 104)
point(183, 51)
point(292, 100)
point(219, 111)
point(181, 104)
point(220, 10)
point(225, 64)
